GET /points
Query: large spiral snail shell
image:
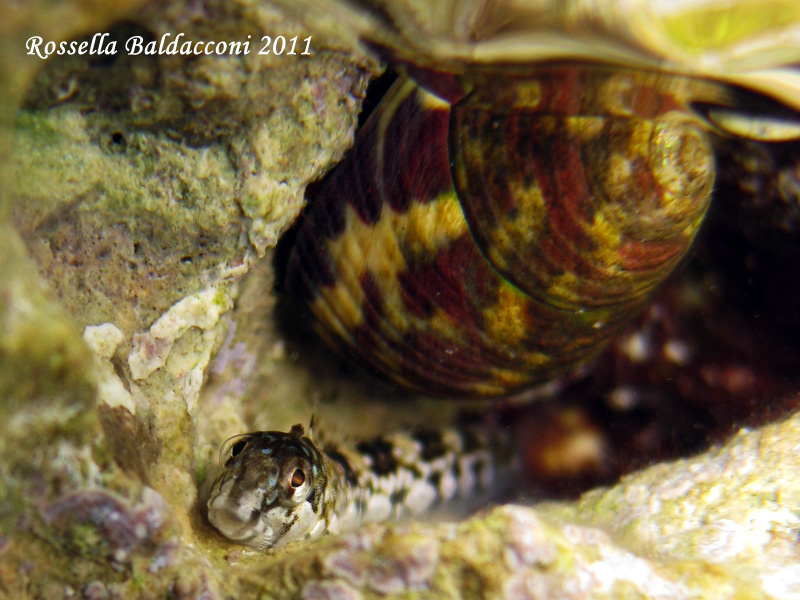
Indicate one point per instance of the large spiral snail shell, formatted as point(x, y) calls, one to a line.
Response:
point(478, 246)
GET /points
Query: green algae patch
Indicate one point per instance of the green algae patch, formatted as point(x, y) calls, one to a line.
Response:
point(121, 235)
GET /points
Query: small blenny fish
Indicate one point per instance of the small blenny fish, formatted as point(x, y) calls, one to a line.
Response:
point(279, 487)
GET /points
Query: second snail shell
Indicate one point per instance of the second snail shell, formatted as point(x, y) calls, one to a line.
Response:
point(477, 245)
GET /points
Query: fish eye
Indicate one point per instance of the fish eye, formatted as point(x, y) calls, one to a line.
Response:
point(237, 448)
point(233, 447)
point(298, 478)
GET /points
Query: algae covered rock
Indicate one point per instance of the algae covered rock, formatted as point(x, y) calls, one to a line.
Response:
point(140, 327)
point(143, 188)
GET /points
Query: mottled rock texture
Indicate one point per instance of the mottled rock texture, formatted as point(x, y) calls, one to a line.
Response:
point(142, 190)
point(142, 201)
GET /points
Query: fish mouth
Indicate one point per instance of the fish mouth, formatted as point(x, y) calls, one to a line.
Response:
point(237, 522)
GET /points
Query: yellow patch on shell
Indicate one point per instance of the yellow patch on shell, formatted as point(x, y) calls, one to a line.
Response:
point(506, 318)
point(561, 291)
point(641, 134)
point(605, 231)
point(585, 128)
point(519, 229)
point(432, 226)
point(614, 94)
point(425, 229)
point(617, 174)
point(528, 93)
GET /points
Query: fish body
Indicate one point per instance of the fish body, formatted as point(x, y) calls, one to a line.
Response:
point(279, 487)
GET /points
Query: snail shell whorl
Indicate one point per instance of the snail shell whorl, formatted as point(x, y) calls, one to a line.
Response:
point(479, 248)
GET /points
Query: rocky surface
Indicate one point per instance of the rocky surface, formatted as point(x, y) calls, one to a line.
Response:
point(138, 330)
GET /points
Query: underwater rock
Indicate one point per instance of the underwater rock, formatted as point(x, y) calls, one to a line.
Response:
point(105, 525)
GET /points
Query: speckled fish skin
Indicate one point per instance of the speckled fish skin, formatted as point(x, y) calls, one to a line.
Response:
point(279, 487)
point(477, 248)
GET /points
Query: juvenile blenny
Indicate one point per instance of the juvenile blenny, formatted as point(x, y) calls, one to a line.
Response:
point(280, 487)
